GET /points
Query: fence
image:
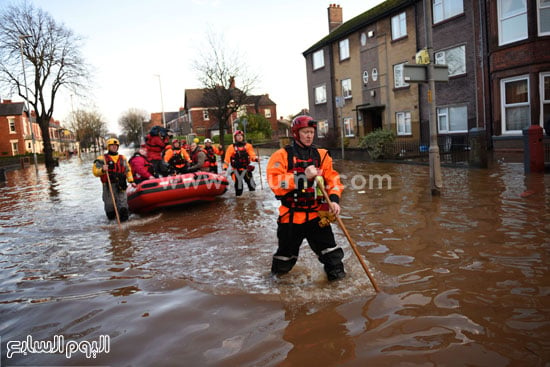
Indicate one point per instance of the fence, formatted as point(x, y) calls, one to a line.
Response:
point(452, 149)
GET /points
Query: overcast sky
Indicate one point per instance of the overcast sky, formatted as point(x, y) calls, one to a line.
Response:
point(129, 42)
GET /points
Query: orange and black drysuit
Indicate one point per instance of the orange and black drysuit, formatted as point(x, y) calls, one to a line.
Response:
point(177, 158)
point(239, 156)
point(300, 206)
point(119, 172)
point(211, 152)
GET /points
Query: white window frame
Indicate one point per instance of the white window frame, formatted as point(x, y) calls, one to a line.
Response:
point(403, 123)
point(11, 124)
point(399, 26)
point(398, 76)
point(457, 65)
point(544, 99)
point(14, 145)
point(445, 9)
point(504, 105)
point(346, 88)
point(322, 128)
point(447, 112)
point(318, 59)
point(543, 13)
point(520, 15)
point(349, 130)
point(205, 115)
point(320, 94)
point(267, 113)
point(343, 47)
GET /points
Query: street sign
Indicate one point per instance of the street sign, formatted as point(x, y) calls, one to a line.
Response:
point(339, 101)
point(419, 73)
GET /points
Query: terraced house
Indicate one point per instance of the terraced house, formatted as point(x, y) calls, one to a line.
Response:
point(498, 68)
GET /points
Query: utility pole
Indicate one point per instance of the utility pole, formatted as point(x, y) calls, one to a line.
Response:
point(436, 183)
point(161, 102)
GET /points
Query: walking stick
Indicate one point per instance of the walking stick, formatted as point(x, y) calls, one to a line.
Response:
point(113, 198)
point(260, 168)
point(351, 242)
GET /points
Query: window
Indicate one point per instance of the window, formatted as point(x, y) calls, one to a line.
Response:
point(512, 25)
point(399, 26)
point(403, 122)
point(344, 49)
point(14, 147)
point(544, 17)
point(515, 109)
point(398, 77)
point(452, 119)
point(445, 9)
point(321, 94)
point(454, 58)
point(346, 88)
point(318, 59)
point(322, 128)
point(349, 130)
point(11, 122)
point(545, 100)
point(267, 113)
point(205, 115)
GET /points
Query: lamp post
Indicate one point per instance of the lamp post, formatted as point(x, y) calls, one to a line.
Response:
point(21, 38)
point(161, 102)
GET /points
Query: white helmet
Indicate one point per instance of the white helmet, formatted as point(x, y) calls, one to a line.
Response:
point(207, 141)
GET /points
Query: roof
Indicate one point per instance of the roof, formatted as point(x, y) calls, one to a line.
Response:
point(370, 16)
point(12, 109)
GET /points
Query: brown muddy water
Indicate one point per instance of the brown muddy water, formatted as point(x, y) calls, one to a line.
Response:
point(464, 277)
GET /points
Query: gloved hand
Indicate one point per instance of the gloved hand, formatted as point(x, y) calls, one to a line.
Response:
point(326, 216)
point(250, 168)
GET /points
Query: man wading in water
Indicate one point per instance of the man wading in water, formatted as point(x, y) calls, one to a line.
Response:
point(291, 174)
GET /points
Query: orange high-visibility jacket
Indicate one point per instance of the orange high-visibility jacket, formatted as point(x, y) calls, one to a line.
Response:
point(283, 182)
point(231, 151)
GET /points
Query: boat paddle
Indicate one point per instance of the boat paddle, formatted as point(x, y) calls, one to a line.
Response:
point(351, 242)
point(114, 201)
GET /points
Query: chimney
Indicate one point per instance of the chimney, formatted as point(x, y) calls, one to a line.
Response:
point(334, 17)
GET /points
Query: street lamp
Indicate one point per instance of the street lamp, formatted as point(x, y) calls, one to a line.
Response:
point(21, 38)
point(161, 102)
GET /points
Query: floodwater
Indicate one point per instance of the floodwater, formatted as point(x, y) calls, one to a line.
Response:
point(464, 277)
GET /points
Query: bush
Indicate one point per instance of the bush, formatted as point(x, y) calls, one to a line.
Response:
point(376, 141)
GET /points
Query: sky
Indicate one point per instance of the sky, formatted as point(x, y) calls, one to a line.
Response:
point(141, 51)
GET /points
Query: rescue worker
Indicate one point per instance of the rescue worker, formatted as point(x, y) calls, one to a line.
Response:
point(177, 158)
point(116, 166)
point(156, 142)
point(211, 152)
point(291, 174)
point(142, 169)
point(198, 158)
point(239, 155)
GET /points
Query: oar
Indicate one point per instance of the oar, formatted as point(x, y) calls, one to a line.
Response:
point(260, 168)
point(351, 242)
point(113, 198)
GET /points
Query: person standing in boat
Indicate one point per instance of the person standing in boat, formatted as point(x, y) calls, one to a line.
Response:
point(177, 158)
point(156, 141)
point(292, 172)
point(198, 158)
point(239, 155)
point(116, 166)
point(142, 169)
point(211, 152)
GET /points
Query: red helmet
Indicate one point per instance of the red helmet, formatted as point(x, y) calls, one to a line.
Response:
point(237, 132)
point(175, 141)
point(301, 122)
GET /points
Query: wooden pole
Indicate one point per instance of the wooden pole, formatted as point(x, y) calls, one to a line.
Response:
point(113, 198)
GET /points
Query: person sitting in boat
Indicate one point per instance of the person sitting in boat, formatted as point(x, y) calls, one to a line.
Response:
point(116, 167)
point(198, 158)
point(142, 169)
point(177, 158)
point(156, 141)
point(211, 152)
point(239, 155)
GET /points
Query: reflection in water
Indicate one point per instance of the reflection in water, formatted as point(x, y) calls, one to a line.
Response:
point(464, 276)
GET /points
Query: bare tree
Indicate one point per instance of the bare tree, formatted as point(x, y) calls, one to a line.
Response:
point(52, 59)
point(89, 127)
point(218, 69)
point(131, 123)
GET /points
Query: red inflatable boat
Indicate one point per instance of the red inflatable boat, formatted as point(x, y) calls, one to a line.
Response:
point(171, 191)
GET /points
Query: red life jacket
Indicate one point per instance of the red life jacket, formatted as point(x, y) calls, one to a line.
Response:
point(210, 155)
point(303, 197)
point(195, 157)
point(116, 169)
point(240, 159)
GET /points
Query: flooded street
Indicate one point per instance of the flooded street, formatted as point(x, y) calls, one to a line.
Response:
point(464, 277)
